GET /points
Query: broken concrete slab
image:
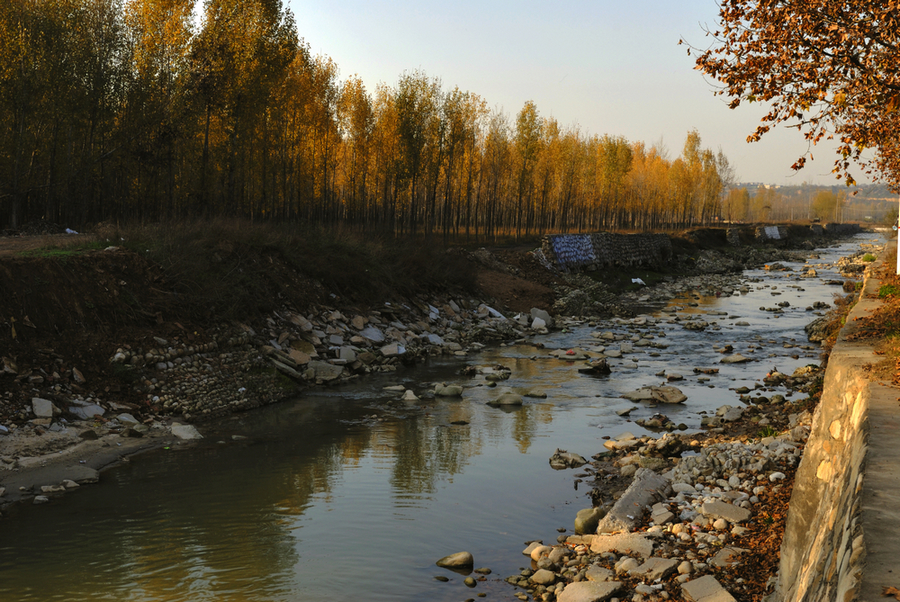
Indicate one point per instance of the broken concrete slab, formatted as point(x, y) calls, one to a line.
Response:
point(186, 432)
point(647, 489)
point(656, 568)
point(325, 370)
point(705, 589)
point(628, 543)
point(589, 591)
point(727, 556)
point(730, 512)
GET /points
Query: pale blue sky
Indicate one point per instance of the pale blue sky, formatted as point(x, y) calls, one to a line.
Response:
point(611, 67)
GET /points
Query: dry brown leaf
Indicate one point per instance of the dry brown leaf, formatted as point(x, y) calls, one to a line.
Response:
point(891, 591)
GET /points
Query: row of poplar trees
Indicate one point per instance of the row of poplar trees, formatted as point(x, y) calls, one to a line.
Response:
point(138, 110)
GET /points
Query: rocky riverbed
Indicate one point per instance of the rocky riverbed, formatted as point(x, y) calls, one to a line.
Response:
point(700, 517)
point(174, 376)
point(686, 517)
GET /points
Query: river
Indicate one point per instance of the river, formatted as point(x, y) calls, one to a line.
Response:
point(348, 494)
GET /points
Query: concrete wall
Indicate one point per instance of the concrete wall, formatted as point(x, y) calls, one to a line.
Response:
point(823, 549)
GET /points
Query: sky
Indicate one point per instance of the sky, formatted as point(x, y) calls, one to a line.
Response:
point(607, 67)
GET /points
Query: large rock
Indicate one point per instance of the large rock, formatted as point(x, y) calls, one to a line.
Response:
point(543, 577)
point(434, 339)
point(730, 512)
point(596, 367)
point(304, 347)
point(705, 589)
point(457, 561)
point(304, 324)
point(658, 394)
point(655, 568)
point(185, 431)
point(586, 520)
point(393, 350)
point(373, 334)
point(43, 408)
point(87, 411)
point(326, 371)
point(540, 314)
point(598, 574)
point(737, 358)
point(507, 399)
point(128, 419)
point(589, 591)
point(445, 390)
point(300, 358)
point(647, 489)
point(562, 459)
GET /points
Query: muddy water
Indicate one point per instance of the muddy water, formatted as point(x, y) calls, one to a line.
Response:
point(348, 494)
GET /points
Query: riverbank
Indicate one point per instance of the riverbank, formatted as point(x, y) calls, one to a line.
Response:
point(704, 516)
point(113, 350)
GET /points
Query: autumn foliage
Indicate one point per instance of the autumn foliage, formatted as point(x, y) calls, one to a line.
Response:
point(829, 69)
point(136, 110)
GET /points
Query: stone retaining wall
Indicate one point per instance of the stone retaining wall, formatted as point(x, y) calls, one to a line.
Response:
point(822, 552)
point(841, 229)
point(605, 250)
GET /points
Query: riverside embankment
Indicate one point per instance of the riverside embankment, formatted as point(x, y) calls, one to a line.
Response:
point(840, 541)
point(439, 474)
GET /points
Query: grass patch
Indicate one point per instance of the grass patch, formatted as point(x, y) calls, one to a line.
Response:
point(767, 431)
point(63, 252)
point(888, 290)
point(868, 257)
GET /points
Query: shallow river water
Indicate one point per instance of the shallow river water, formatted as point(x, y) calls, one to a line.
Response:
point(349, 495)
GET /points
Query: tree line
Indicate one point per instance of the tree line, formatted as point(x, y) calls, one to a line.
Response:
point(136, 111)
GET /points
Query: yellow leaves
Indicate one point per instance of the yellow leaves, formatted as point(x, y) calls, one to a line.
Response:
point(892, 104)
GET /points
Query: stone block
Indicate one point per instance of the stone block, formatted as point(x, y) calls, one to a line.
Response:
point(655, 568)
point(705, 589)
point(43, 408)
point(598, 574)
point(727, 557)
point(646, 489)
point(730, 512)
point(589, 591)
